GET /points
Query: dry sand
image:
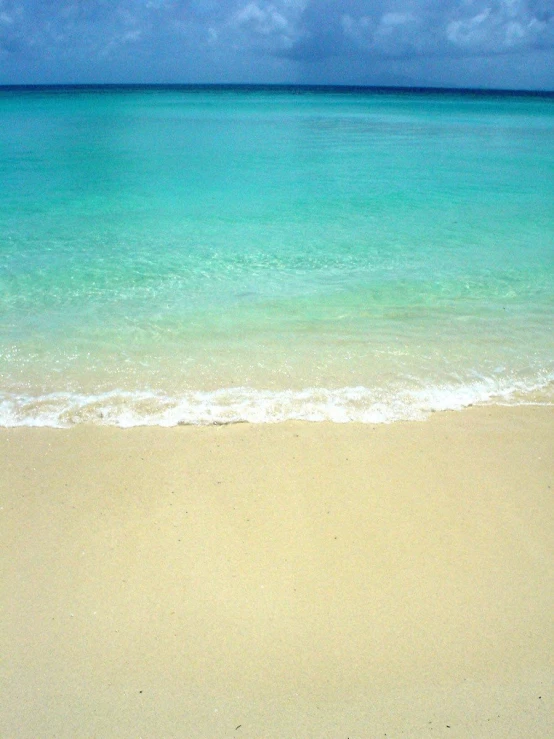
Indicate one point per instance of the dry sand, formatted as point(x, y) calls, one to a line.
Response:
point(295, 580)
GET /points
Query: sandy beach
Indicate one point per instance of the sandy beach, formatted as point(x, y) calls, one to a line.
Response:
point(287, 580)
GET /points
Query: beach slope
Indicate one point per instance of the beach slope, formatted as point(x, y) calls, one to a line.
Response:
point(287, 580)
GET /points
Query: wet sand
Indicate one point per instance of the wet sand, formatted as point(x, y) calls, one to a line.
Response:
point(289, 580)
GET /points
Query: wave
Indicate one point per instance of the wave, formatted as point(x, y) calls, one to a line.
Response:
point(243, 404)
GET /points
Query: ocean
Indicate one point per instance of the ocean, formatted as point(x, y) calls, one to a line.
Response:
point(206, 255)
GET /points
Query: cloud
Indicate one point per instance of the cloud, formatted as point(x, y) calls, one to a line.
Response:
point(499, 27)
point(271, 27)
point(188, 38)
point(390, 35)
point(430, 28)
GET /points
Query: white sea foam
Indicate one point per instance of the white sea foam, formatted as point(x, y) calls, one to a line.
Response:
point(242, 404)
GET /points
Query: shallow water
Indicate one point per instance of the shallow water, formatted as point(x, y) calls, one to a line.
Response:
point(212, 255)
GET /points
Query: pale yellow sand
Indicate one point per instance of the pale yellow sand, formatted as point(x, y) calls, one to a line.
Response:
point(296, 580)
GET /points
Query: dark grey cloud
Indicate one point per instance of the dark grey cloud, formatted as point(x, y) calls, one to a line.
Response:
point(420, 28)
point(350, 41)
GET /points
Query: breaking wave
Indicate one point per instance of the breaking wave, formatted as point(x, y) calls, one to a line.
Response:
point(243, 404)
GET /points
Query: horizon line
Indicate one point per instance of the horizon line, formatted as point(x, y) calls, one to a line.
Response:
point(276, 85)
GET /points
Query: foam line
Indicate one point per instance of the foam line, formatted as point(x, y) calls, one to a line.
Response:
point(243, 404)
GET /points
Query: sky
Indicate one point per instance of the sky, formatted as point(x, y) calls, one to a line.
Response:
point(445, 43)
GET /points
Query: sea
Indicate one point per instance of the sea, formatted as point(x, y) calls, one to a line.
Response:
point(219, 254)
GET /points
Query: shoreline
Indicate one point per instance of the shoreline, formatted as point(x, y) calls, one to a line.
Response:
point(235, 405)
point(291, 579)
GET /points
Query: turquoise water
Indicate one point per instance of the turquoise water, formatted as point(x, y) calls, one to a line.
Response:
point(212, 255)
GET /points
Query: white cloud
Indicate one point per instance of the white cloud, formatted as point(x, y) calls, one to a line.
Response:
point(267, 26)
point(468, 32)
point(262, 20)
point(500, 27)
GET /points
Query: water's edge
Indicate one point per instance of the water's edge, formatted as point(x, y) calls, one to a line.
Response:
point(239, 404)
